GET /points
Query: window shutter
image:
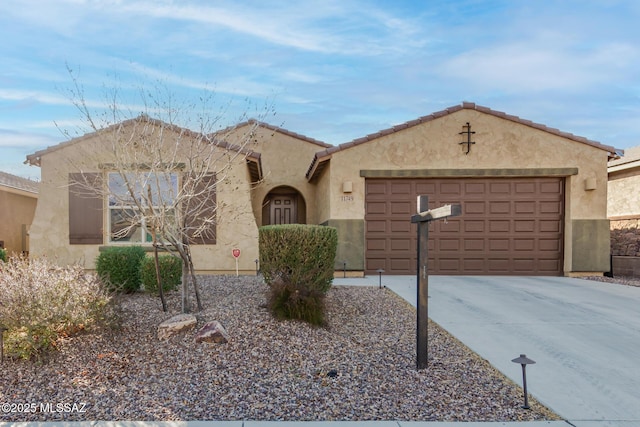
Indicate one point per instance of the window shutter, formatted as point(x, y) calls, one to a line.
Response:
point(201, 210)
point(85, 209)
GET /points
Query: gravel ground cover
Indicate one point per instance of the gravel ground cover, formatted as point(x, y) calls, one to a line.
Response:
point(269, 370)
point(620, 280)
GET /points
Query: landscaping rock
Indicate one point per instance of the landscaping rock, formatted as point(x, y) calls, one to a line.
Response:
point(176, 325)
point(212, 332)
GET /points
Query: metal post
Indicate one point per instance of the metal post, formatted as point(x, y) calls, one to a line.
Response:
point(422, 317)
point(344, 269)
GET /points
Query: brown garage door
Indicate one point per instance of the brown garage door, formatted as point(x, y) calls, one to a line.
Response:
point(508, 226)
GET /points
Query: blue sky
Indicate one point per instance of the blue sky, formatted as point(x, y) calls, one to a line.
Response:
point(332, 70)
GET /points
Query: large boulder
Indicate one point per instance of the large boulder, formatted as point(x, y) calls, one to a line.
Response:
point(176, 325)
point(212, 332)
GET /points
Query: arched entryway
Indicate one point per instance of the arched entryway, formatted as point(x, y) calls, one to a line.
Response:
point(284, 205)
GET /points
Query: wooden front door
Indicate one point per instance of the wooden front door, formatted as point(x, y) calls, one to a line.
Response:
point(283, 209)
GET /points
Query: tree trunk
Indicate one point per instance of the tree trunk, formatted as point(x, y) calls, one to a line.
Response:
point(185, 287)
point(196, 289)
point(158, 280)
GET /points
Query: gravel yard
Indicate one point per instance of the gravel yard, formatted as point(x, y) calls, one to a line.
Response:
point(270, 370)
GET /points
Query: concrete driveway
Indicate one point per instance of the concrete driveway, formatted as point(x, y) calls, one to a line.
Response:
point(583, 335)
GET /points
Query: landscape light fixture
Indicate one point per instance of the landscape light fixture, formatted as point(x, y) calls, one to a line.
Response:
point(380, 271)
point(257, 270)
point(523, 360)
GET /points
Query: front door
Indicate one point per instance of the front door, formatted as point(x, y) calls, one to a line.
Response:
point(283, 209)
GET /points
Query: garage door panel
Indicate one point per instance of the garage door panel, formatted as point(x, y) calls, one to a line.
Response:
point(474, 245)
point(551, 187)
point(450, 189)
point(503, 188)
point(379, 208)
point(500, 208)
point(447, 226)
point(508, 225)
point(550, 226)
point(499, 226)
point(525, 188)
point(475, 188)
point(400, 245)
point(472, 265)
point(474, 208)
point(400, 264)
point(377, 226)
point(379, 245)
point(498, 265)
point(449, 245)
point(549, 245)
point(550, 207)
point(402, 208)
point(525, 207)
point(525, 226)
point(473, 226)
point(499, 244)
point(400, 226)
point(401, 188)
point(527, 245)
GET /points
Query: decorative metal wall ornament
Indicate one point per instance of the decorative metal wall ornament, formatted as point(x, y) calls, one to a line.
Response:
point(467, 132)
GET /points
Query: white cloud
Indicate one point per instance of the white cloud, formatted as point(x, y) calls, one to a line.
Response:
point(11, 138)
point(526, 67)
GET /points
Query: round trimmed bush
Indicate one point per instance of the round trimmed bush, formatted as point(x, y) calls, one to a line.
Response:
point(170, 273)
point(119, 267)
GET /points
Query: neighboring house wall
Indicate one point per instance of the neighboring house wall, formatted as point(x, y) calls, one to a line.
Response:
point(624, 212)
point(236, 227)
point(17, 208)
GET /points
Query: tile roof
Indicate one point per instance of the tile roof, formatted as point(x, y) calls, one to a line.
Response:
point(34, 159)
point(319, 161)
point(274, 128)
point(18, 183)
point(631, 155)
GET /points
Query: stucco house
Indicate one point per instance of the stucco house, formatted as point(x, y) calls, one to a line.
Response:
point(624, 212)
point(534, 199)
point(18, 198)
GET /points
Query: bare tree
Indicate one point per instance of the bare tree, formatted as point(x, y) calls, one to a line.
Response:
point(161, 179)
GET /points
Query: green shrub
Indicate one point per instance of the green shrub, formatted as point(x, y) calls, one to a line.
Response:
point(3, 255)
point(297, 262)
point(170, 273)
point(119, 267)
point(42, 302)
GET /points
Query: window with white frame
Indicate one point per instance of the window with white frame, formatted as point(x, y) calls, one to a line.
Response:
point(130, 195)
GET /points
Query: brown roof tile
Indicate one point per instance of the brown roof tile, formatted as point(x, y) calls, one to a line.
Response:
point(274, 128)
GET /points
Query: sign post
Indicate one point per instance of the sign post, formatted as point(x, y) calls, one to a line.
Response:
point(236, 254)
point(423, 218)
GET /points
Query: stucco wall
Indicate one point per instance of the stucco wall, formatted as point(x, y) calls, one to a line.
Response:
point(624, 193)
point(285, 160)
point(499, 145)
point(236, 226)
point(16, 211)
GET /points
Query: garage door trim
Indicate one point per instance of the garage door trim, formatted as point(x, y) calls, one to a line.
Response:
point(462, 173)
